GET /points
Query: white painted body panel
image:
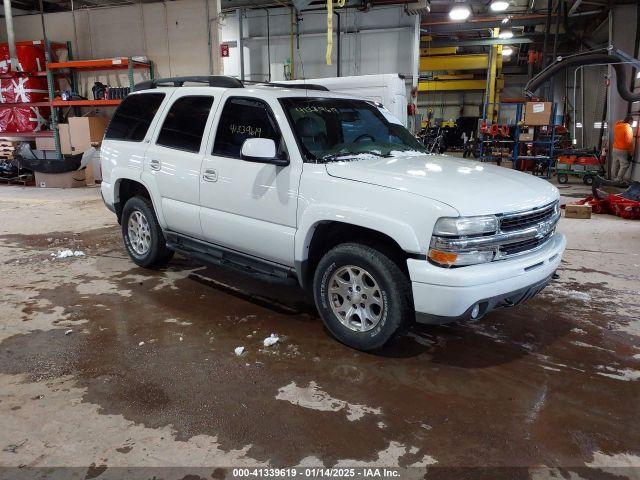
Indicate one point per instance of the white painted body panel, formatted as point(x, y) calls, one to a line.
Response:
point(251, 207)
point(176, 175)
point(471, 187)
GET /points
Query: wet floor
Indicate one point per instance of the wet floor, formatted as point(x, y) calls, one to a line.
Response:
point(554, 382)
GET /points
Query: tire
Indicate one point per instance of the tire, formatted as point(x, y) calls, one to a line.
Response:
point(588, 180)
point(563, 178)
point(142, 235)
point(388, 310)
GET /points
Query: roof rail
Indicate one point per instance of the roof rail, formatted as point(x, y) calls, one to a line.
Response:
point(211, 80)
point(299, 86)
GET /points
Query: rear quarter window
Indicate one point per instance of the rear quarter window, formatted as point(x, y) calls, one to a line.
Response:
point(133, 117)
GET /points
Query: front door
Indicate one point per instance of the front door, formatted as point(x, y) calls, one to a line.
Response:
point(245, 206)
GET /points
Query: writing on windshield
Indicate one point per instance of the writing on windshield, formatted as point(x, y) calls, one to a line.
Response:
point(330, 129)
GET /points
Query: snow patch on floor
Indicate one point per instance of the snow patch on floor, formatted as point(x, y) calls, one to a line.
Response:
point(270, 340)
point(621, 465)
point(68, 253)
point(624, 374)
point(313, 398)
point(178, 322)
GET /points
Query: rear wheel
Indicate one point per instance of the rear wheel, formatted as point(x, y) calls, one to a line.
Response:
point(362, 296)
point(563, 178)
point(142, 235)
point(588, 179)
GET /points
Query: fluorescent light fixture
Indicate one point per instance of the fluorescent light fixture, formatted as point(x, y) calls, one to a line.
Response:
point(499, 5)
point(575, 141)
point(505, 34)
point(578, 125)
point(505, 20)
point(638, 75)
point(634, 124)
point(459, 11)
point(507, 51)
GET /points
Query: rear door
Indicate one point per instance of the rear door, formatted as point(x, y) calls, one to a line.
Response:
point(175, 156)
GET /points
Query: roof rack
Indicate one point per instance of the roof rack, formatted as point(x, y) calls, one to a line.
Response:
point(211, 80)
point(299, 86)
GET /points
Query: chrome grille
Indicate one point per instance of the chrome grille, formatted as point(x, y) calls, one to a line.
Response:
point(519, 221)
point(523, 246)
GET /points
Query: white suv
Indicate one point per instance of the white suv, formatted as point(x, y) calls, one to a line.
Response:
point(287, 182)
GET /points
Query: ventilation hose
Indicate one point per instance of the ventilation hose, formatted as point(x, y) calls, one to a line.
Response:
point(586, 59)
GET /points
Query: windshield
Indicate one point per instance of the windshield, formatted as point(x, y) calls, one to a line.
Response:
point(329, 129)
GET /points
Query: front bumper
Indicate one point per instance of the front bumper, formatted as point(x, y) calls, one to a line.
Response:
point(445, 295)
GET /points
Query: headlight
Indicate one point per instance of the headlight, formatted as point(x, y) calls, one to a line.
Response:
point(460, 259)
point(448, 227)
point(464, 226)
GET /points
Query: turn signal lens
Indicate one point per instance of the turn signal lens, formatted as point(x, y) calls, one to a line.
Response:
point(443, 258)
point(450, 259)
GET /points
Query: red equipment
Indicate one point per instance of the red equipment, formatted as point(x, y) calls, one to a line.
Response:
point(625, 204)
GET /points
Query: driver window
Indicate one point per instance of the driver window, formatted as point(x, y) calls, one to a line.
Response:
point(244, 118)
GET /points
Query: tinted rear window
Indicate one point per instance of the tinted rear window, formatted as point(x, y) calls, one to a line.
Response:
point(134, 116)
point(184, 125)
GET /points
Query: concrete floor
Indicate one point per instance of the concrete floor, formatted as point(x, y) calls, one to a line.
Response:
point(147, 376)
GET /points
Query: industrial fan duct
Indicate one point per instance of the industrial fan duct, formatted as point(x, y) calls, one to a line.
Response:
point(614, 57)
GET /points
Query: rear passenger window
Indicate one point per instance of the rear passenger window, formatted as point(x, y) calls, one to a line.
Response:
point(184, 124)
point(244, 118)
point(131, 120)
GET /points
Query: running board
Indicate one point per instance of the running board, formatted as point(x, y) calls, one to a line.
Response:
point(211, 254)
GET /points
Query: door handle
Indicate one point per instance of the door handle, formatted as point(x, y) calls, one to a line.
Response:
point(210, 175)
point(154, 164)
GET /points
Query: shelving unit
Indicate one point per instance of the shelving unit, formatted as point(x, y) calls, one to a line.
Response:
point(72, 67)
point(548, 158)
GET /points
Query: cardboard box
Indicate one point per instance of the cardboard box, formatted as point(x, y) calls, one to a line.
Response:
point(537, 113)
point(578, 211)
point(75, 178)
point(526, 135)
point(65, 138)
point(45, 143)
point(85, 131)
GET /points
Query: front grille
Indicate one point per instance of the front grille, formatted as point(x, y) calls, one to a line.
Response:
point(523, 246)
point(520, 221)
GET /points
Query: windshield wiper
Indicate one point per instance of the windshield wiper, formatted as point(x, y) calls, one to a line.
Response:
point(337, 156)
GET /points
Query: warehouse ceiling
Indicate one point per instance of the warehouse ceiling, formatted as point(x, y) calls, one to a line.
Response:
point(528, 20)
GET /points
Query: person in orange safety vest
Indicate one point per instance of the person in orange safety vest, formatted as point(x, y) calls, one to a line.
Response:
point(623, 149)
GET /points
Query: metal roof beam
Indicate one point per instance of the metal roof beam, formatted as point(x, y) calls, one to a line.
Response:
point(445, 26)
point(480, 42)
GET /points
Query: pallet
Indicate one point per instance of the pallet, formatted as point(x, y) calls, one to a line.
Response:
point(24, 179)
point(8, 144)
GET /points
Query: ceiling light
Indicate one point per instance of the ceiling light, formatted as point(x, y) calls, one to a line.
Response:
point(505, 20)
point(507, 51)
point(460, 11)
point(505, 34)
point(499, 5)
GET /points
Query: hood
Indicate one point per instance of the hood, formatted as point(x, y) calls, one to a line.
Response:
point(471, 187)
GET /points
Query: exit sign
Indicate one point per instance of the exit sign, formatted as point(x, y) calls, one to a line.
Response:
point(224, 50)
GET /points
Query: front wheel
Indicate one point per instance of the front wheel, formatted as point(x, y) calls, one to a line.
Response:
point(142, 235)
point(563, 178)
point(362, 295)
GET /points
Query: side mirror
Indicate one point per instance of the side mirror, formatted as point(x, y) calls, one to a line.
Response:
point(261, 150)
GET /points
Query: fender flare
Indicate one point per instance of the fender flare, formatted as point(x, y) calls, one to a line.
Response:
point(401, 232)
point(125, 174)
